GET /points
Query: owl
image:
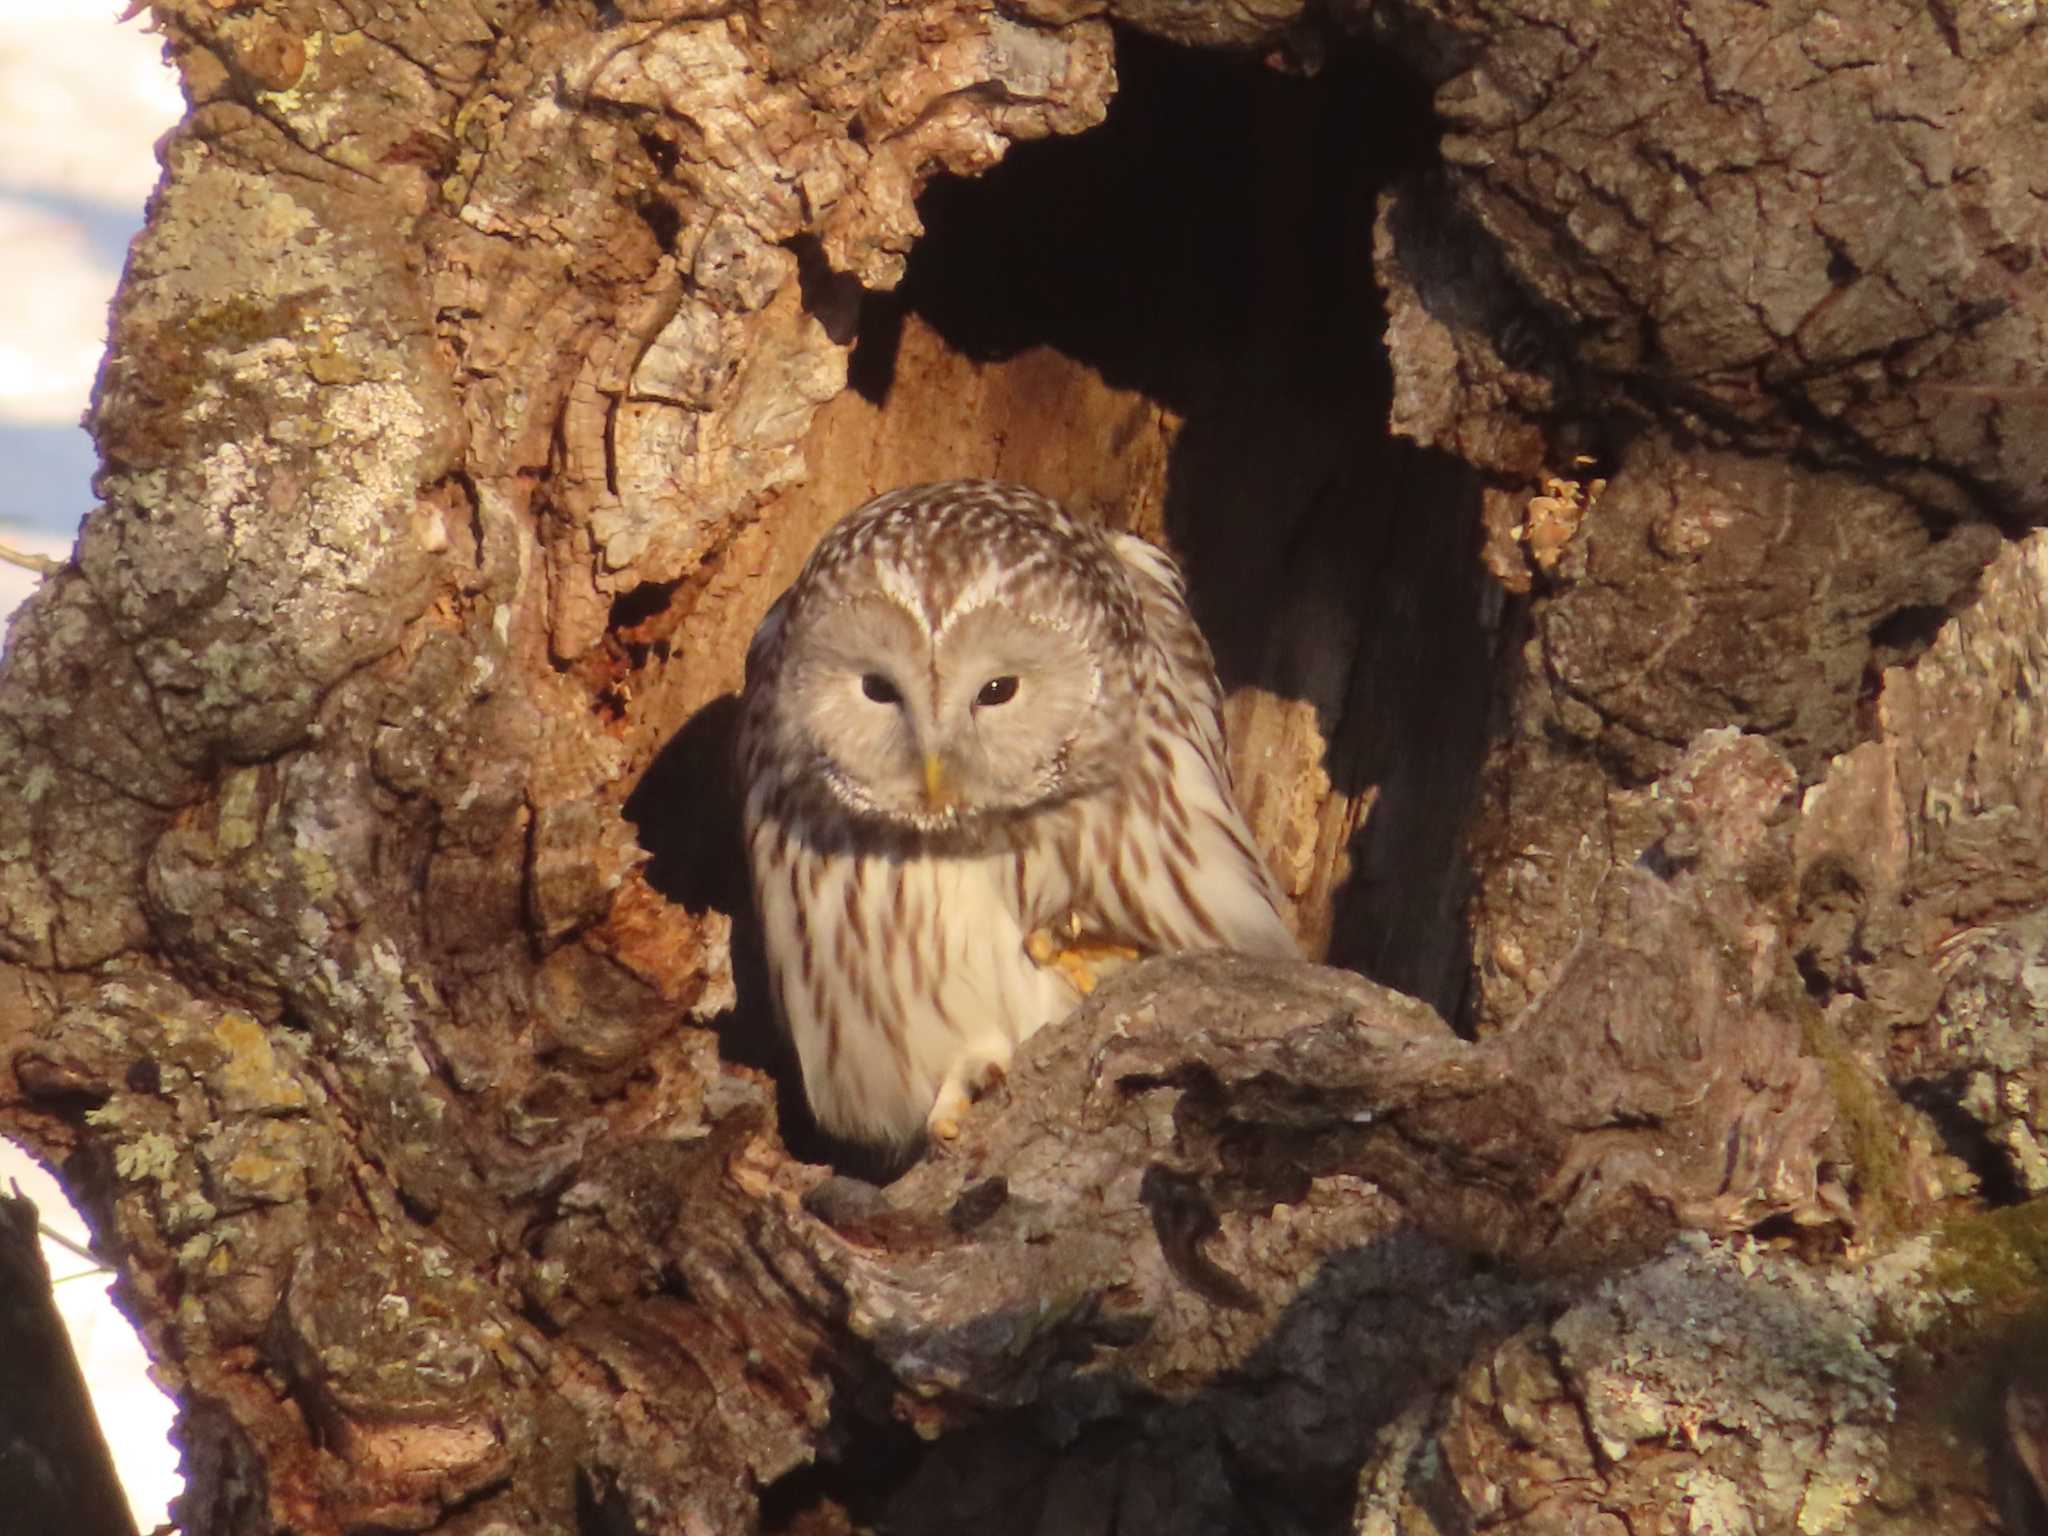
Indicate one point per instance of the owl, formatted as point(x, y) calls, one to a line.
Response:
point(982, 749)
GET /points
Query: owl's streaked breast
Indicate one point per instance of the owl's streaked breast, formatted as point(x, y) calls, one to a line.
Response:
point(889, 970)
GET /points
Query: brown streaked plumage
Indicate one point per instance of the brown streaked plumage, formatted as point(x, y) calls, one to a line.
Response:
point(972, 720)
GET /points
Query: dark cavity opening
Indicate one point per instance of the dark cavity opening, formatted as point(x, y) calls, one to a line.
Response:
point(1910, 630)
point(1211, 246)
point(632, 609)
point(1966, 1138)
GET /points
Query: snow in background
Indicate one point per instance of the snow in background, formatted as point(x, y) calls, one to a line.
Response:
point(82, 102)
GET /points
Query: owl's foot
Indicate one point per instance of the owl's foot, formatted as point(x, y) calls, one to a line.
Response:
point(1082, 961)
point(972, 1079)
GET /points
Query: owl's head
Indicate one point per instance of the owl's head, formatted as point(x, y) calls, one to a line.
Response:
point(951, 655)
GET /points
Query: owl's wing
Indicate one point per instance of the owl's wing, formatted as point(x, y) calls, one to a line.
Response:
point(1172, 864)
point(1163, 598)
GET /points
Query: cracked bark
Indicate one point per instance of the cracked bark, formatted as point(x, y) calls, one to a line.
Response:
point(484, 371)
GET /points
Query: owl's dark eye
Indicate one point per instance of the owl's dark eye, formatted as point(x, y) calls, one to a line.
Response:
point(997, 690)
point(880, 689)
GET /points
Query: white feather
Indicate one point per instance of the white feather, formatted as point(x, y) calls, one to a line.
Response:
point(952, 979)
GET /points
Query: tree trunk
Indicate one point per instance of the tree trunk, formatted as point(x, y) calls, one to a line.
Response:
point(1603, 445)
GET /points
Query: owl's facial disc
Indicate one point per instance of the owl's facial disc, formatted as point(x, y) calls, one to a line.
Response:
point(934, 734)
point(849, 708)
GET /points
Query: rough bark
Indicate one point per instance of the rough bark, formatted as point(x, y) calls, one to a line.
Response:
point(1658, 705)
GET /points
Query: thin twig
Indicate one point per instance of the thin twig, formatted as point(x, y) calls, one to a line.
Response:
point(42, 565)
point(64, 1242)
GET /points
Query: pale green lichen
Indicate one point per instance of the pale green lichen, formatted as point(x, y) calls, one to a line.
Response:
point(244, 362)
point(1827, 1504)
point(2024, 1154)
point(339, 1359)
point(151, 1157)
point(1724, 1351)
point(37, 782)
point(313, 929)
point(187, 1210)
point(317, 874)
point(1714, 1505)
point(313, 113)
point(1405, 1454)
point(240, 811)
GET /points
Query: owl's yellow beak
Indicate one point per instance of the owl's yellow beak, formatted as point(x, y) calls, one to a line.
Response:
point(938, 794)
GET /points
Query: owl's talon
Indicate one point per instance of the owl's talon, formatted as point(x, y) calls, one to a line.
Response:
point(1082, 961)
point(943, 1123)
point(1075, 968)
point(966, 1084)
